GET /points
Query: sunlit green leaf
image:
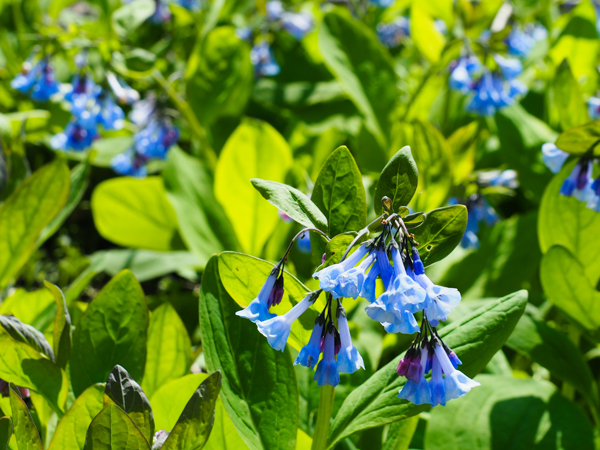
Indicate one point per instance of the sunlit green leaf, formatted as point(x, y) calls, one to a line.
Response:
point(398, 181)
point(567, 97)
point(6, 430)
point(26, 433)
point(62, 336)
point(27, 334)
point(112, 429)
point(581, 140)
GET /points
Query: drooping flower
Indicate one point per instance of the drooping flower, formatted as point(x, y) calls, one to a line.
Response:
point(109, 114)
point(129, 163)
point(83, 93)
point(553, 157)
point(463, 72)
point(303, 244)
point(578, 182)
point(263, 60)
point(329, 276)
point(593, 104)
point(416, 390)
point(122, 91)
point(348, 358)
point(155, 139)
point(521, 41)
point(258, 309)
point(162, 13)
point(393, 33)
point(593, 201)
point(297, 25)
point(327, 371)
point(38, 82)
point(25, 80)
point(78, 135)
point(309, 354)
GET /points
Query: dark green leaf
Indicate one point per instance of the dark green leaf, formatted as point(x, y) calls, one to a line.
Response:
point(292, 202)
point(401, 433)
point(27, 334)
point(266, 418)
point(72, 427)
point(127, 394)
point(568, 100)
point(439, 232)
point(398, 181)
point(475, 339)
point(556, 352)
point(204, 227)
point(567, 286)
point(26, 367)
point(6, 430)
point(62, 336)
point(339, 193)
point(112, 429)
point(25, 214)
point(581, 140)
point(335, 248)
point(169, 355)
point(170, 399)
point(568, 222)
point(507, 412)
point(113, 329)
point(26, 433)
point(219, 75)
point(196, 421)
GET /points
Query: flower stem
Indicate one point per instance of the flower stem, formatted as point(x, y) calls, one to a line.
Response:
point(323, 418)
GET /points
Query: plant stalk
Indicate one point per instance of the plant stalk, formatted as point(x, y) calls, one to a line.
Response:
point(323, 418)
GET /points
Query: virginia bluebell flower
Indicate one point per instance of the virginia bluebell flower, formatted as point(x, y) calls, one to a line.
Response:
point(348, 358)
point(161, 14)
point(109, 114)
point(245, 34)
point(78, 135)
point(462, 73)
point(593, 201)
point(38, 82)
point(416, 389)
point(277, 329)
point(553, 157)
point(270, 294)
point(331, 277)
point(309, 354)
point(327, 371)
point(130, 164)
point(155, 139)
point(83, 93)
point(521, 41)
point(382, 3)
point(303, 244)
point(578, 183)
point(122, 91)
point(25, 80)
point(274, 9)
point(593, 104)
point(297, 25)
point(478, 210)
point(263, 60)
point(393, 33)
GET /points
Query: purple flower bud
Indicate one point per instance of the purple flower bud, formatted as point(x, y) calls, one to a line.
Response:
point(277, 292)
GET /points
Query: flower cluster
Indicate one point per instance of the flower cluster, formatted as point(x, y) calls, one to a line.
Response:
point(579, 183)
point(408, 291)
point(37, 80)
point(297, 25)
point(156, 135)
point(478, 209)
point(490, 90)
point(521, 40)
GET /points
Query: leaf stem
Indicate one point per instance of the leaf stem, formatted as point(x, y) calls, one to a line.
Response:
point(323, 418)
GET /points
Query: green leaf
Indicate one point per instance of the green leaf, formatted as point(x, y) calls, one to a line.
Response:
point(26, 433)
point(72, 427)
point(130, 16)
point(243, 276)
point(219, 75)
point(335, 248)
point(400, 434)
point(135, 213)
point(62, 336)
point(224, 435)
point(113, 329)
point(507, 412)
point(398, 181)
point(196, 421)
point(568, 222)
point(292, 202)
point(6, 430)
point(364, 70)
point(25, 214)
point(463, 143)
point(26, 367)
point(567, 287)
point(169, 355)
point(266, 418)
point(27, 334)
point(203, 224)
point(475, 339)
point(127, 394)
point(36, 308)
point(439, 232)
point(80, 178)
point(428, 40)
point(265, 154)
point(340, 194)
point(170, 399)
point(581, 140)
point(112, 429)
point(556, 352)
point(568, 100)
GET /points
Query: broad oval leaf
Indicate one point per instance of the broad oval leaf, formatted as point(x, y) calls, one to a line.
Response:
point(202, 222)
point(196, 421)
point(264, 418)
point(112, 429)
point(567, 98)
point(24, 366)
point(254, 150)
point(112, 331)
point(135, 213)
point(169, 356)
point(224, 436)
point(581, 140)
point(398, 181)
point(243, 276)
point(72, 427)
point(27, 334)
point(439, 231)
point(339, 193)
point(131, 15)
point(25, 214)
point(36, 308)
point(507, 412)
point(568, 222)
point(62, 336)
point(292, 202)
point(475, 339)
point(556, 352)
point(6, 430)
point(170, 399)
point(567, 287)
point(26, 433)
point(219, 75)
point(127, 394)
point(427, 38)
